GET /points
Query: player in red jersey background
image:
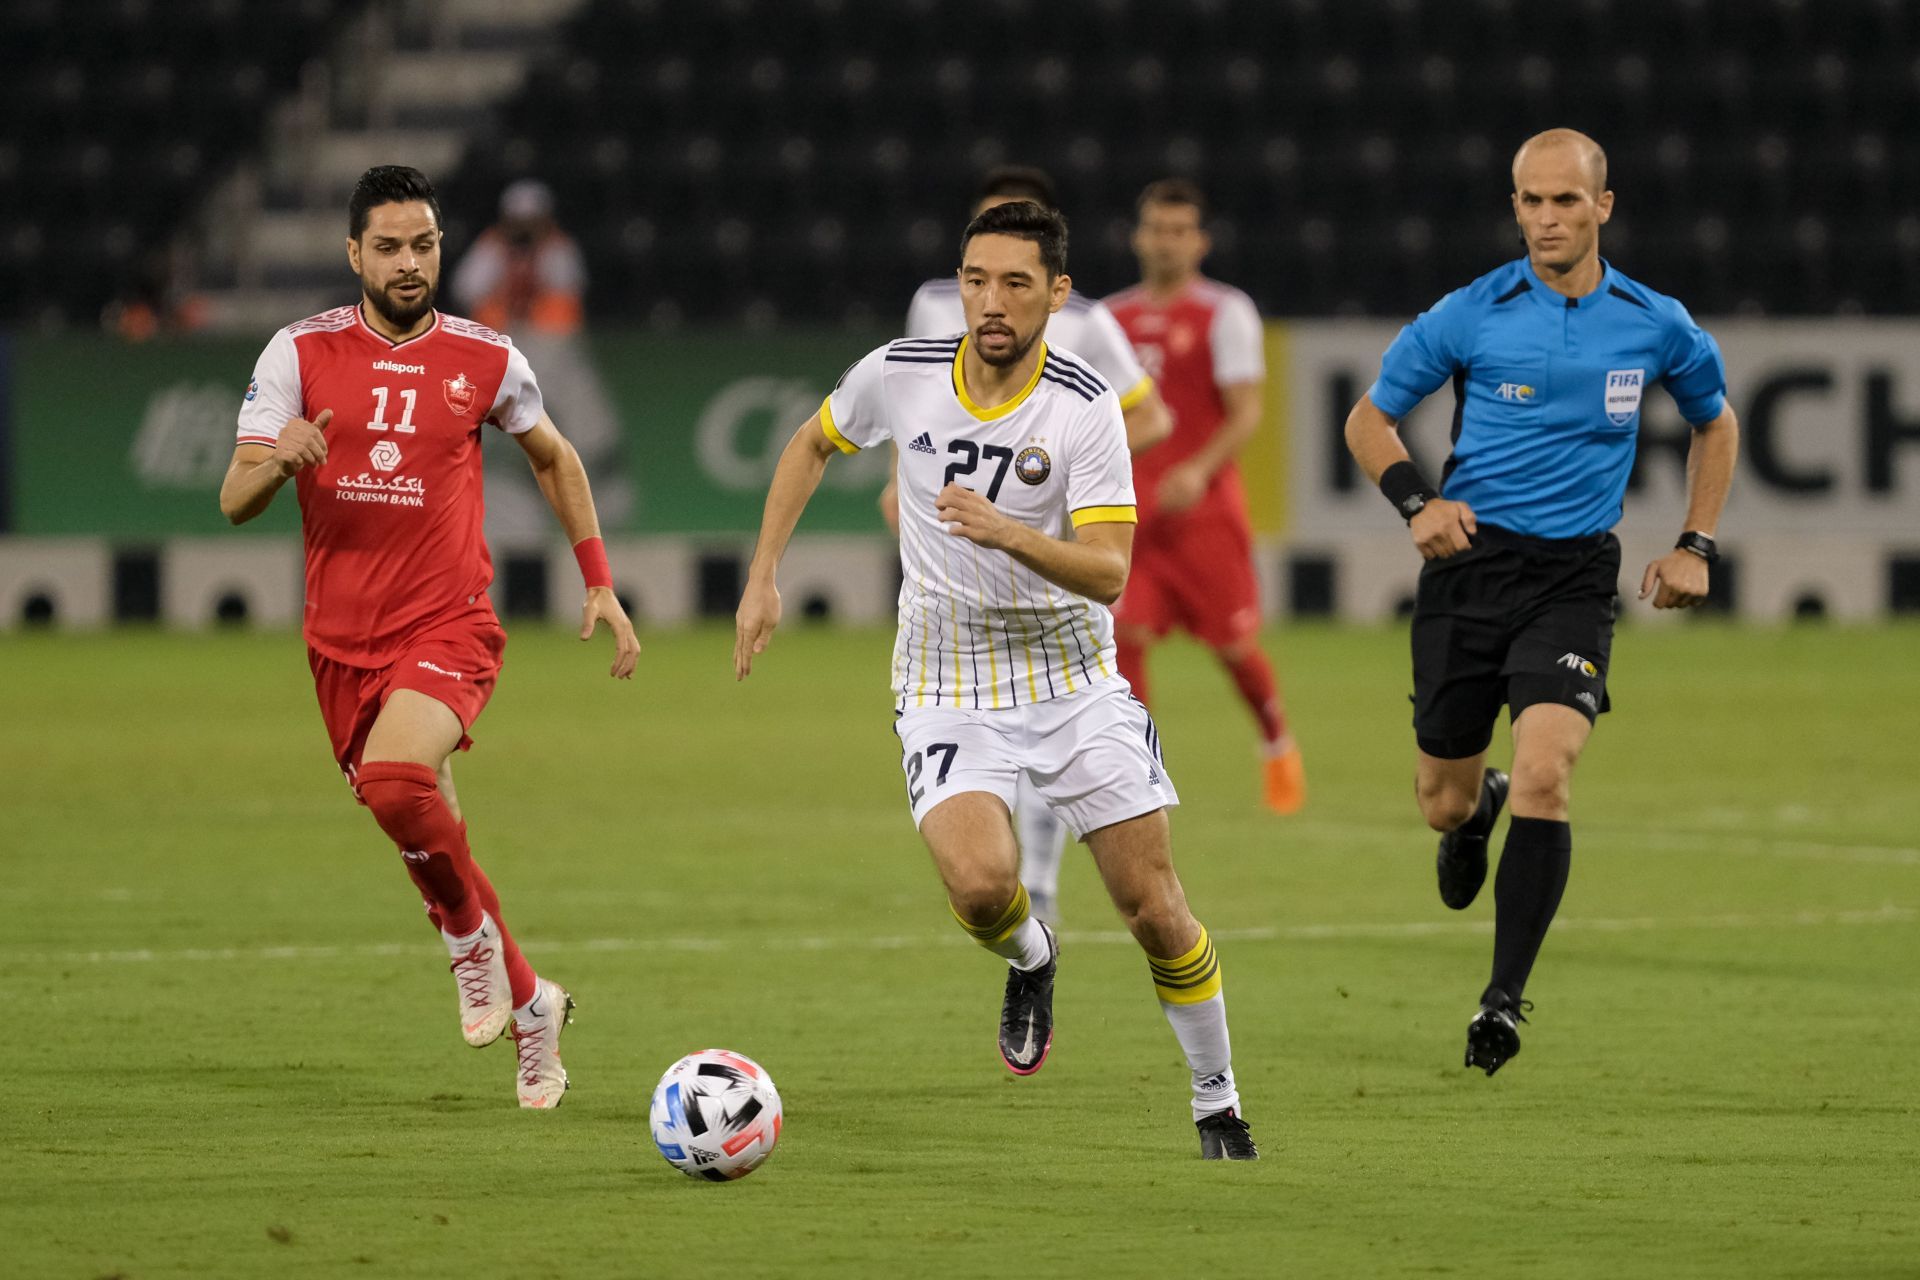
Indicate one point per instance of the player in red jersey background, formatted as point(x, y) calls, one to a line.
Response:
point(1201, 342)
point(377, 412)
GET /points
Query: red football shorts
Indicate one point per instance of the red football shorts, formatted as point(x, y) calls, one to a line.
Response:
point(455, 662)
point(1193, 571)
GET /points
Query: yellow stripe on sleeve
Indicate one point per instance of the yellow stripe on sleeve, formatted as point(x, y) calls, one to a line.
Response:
point(1105, 515)
point(1139, 391)
point(840, 442)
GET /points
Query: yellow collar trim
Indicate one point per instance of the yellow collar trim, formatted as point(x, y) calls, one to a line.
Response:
point(998, 410)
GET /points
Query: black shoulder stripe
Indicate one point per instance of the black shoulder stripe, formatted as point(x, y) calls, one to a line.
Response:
point(1078, 384)
point(918, 344)
point(1081, 367)
point(1523, 287)
point(1070, 385)
point(1623, 295)
point(1079, 373)
point(911, 359)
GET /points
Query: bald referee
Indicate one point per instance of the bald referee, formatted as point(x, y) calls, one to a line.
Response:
point(1549, 357)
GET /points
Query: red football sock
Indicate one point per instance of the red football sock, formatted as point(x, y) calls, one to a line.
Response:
point(1132, 657)
point(519, 973)
point(1253, 677)
point(406, 801)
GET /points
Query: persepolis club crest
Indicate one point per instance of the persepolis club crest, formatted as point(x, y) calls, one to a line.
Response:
point(459, 394)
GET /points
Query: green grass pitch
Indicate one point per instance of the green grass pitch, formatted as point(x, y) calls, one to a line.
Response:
point(232, 1050)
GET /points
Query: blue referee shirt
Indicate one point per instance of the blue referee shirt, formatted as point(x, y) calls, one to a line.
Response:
point(1547, 392)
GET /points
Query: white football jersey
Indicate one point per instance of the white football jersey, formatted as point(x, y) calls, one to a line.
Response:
point(1082, 325)
point(978, 629)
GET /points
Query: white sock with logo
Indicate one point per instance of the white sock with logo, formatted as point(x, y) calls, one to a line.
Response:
point(1202, 1031)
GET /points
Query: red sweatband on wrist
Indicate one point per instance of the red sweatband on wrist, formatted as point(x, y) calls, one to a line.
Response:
point(592, 555)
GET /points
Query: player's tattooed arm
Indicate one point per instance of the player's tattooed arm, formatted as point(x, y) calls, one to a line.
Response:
point(1094, 565)
point(257, 471)
point(797, 475)
point(563, 480)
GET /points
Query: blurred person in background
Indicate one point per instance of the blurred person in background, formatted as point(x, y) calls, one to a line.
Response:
point(1083, 328)
point(1193, 558)
point(524, 276)
point(155, 300)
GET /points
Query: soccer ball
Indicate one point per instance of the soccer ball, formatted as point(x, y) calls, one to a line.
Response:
point(715, 1115)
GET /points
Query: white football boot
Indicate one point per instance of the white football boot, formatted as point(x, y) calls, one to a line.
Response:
point(540, 1080)
point(486, 997)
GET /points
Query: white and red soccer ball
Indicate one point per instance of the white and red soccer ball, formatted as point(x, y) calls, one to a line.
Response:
point(715, 1115)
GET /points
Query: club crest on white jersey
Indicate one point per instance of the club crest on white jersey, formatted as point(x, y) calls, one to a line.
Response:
point(978, 629)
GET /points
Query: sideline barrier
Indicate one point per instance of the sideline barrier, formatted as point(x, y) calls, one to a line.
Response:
point(73, 575)
point(126, 445)
point(201, 577)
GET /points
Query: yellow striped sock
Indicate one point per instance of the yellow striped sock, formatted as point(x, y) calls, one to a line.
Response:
point(1012, 918)
point(1188, 979)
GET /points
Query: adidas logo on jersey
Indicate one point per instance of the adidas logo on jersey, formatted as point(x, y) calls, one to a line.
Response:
point(922, 443)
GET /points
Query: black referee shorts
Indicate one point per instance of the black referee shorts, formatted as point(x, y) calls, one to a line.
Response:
point(1513, 620)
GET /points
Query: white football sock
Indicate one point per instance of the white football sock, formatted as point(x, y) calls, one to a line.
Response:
point(1042, 842)
point(1026, 947)
point(1202, 1031)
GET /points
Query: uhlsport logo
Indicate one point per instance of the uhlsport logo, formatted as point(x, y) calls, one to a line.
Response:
point(459, 394)
point(442, 670)
point(1518, 392)
point(394, 366)
point(1623, 394)
point(1574, 662)
point(385, 455)
point(1033, 465)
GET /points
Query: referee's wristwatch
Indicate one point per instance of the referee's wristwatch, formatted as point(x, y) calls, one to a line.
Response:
point(1699, 544)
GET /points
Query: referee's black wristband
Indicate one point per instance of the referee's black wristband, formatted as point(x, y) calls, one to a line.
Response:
point(1406, 489)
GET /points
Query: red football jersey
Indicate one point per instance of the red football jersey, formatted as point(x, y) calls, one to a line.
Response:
point(392, 519)
point(1205, 337)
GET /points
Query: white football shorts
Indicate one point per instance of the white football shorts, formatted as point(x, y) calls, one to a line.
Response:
point(1094, 755)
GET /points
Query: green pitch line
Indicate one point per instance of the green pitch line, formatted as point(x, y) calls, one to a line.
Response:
point(233, 1050)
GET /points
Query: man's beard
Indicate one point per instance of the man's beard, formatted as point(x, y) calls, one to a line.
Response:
point(401, 315)
point(1015, 353)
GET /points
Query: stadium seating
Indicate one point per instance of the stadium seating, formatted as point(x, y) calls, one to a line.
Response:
point(120, 115)
point(807, 161)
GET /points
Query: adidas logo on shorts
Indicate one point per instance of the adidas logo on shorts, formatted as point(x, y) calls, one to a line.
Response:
point(922, 443)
